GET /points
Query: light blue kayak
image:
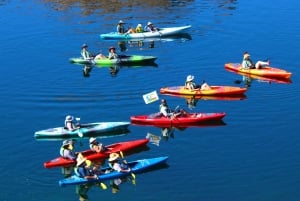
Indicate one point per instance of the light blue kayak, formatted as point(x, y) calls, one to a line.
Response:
point(162, 32)
point(137, 166)
point(89, 129)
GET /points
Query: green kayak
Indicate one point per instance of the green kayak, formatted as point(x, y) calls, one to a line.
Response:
point(123, 59)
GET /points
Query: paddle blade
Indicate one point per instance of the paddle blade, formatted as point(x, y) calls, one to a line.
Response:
point(133, 176)
point(80, 134)
point(121, 154)
point(103, 186)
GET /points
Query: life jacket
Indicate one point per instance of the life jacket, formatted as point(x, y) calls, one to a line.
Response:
point(87, 172)
point(123, 165)
point(192, 84)
point(139, 29)
point(166, 108)
point(85, 54)
point(120, 29)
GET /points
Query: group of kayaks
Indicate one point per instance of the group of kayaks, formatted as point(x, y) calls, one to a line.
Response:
point(131, 59)
point(106, 129)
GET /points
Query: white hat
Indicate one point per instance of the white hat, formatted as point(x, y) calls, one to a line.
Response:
point(149, 23)
point(69, 118)
point(92, 139)
point(67, 142)
point(113, 157)
point(139, 25)
point(121, 22)
point(189, 78)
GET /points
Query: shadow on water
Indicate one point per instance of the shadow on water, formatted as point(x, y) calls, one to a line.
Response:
point(150, 43)
point(115, 69)
point(169, 132)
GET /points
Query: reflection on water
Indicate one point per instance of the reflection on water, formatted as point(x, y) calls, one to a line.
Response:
point(93, 6)
point(169, 132)
point(114, 69)
point(149, 43)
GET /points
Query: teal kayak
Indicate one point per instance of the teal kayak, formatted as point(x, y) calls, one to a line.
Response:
point(89, 129)
point(162, 32)
point(137, 166)
point(123, 59)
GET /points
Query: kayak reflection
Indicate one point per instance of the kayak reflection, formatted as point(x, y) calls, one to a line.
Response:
point(151, 43)
point(169, 132)
point(114, 69)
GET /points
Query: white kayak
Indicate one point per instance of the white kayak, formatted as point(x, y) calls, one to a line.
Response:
point(98, 128)
point(160, 33)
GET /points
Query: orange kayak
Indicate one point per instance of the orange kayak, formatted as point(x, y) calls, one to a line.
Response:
point(263, 72)
point(213, 91)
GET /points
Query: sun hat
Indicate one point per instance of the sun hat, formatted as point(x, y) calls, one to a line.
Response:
point(139, 25)
point(84, 45)
point(113, 157)
point(189, 78)
point(246, 54)
point(149, 23)
point(80, 159)
point(69, 118)
point(67, 142)
point(111, 48)
point(92, 139)
point(121, 22)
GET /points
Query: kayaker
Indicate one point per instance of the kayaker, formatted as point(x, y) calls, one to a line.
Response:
point(117, 164)
point(191, 85)
point(167, 112)
point(69, 123)
point(150, 27)
point(112, 53)
point(96, 146)
point(67, 151)
point(247, 63)
point(121, 29)
point(83, 168)
point(86, 54)
point(139, 28)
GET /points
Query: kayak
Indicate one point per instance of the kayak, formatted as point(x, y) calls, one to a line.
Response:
point(160, 33)
point(123, 59)
point(191, 118)
point(88, 129)
point(262, 79)
point(91, 155)
point(263, 72)
point(137, 166)
point(213, 91)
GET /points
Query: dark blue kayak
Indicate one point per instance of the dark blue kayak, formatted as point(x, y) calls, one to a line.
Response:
point(136, 167)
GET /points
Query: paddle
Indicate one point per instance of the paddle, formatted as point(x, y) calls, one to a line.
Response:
point(79, 133)
point(122, 156)
point(103, 186)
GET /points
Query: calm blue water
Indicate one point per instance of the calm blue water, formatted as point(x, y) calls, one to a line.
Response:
point(255, 156)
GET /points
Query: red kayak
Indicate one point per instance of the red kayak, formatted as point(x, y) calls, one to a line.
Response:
point(91, 155)
point(190, 118)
